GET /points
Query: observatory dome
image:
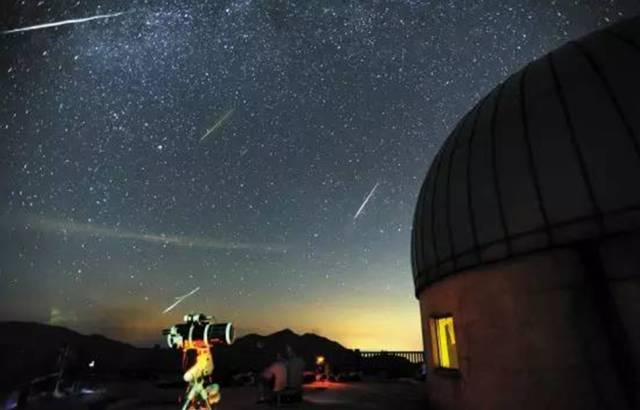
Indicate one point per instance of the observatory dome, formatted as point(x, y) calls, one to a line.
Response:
point(549, 158)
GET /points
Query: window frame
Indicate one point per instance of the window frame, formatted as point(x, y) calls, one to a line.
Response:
point(435, 344)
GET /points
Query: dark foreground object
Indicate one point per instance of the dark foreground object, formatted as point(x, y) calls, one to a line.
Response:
point(320, 395)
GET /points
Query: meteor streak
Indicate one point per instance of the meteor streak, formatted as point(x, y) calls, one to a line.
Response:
point(218, 123)
point(62, 23)
point(364, 203)
point(179, 300)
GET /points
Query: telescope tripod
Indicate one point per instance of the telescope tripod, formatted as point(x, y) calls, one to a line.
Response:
point(199, 391)
point(198, 334)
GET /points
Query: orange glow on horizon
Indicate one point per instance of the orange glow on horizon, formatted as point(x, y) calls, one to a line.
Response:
point(354, 322)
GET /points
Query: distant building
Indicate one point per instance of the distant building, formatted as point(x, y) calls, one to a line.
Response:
point(526, 239)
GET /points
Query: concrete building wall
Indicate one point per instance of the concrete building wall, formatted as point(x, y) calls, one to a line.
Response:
point(621, 261)
point(530, 334)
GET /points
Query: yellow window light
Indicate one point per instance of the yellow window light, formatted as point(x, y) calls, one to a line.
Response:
point(443, 342)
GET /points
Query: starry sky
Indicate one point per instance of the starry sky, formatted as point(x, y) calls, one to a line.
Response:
point(228, 146)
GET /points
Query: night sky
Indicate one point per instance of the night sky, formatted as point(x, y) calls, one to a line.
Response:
point(112, 203)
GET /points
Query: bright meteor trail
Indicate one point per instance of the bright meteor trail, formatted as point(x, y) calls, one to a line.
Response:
point(218, 123)
point(179, 300)
point(364, 203)
point(62, 23)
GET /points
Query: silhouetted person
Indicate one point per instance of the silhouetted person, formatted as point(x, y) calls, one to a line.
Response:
point(295, 376)
point(65, 371)
point(273, 379)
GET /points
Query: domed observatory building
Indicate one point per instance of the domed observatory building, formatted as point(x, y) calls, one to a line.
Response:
point(526, 238)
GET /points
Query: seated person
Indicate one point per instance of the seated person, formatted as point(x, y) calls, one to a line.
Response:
point(272, 380)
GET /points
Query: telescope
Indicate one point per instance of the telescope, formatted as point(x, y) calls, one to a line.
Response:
point(199, 330)
point(199, 333)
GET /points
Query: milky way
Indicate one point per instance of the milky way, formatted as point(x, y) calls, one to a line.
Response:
point(105, 180)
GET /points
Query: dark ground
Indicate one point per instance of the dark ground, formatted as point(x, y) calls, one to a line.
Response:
point(319, 395)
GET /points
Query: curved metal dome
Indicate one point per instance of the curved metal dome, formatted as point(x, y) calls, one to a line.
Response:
point(550, 157)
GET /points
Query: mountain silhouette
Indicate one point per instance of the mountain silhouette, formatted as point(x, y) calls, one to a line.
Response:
point(29, 350)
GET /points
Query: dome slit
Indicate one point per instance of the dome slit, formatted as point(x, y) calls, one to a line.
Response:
point(576, 145)
point(426, 231)
point(417, 234)
point(436, 258)
point(535, 178)
point(457, 136)
point(494, 166)
point(472, 217)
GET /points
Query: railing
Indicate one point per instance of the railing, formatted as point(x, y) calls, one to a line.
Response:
point(416, 357)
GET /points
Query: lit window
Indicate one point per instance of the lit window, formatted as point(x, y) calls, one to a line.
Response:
point(443, 342)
